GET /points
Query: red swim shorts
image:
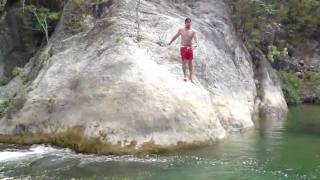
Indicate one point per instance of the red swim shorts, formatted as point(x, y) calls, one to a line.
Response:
point(186, 53)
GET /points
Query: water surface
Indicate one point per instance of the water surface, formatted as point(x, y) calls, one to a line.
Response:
point(283, 150)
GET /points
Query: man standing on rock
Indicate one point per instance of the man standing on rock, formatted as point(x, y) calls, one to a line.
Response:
point(187, 35)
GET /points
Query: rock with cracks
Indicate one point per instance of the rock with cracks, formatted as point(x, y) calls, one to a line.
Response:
point(121, 83)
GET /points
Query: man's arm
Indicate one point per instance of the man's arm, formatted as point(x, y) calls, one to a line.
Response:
point(195, 37)
point(175, 36)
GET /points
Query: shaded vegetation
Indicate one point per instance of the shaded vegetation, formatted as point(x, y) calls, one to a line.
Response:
point(312, 78)
point(291, 86)
point(40, 19)
point(79, 16)
point(37, 16)
point(4, 106)
point(278, 28)
point(257, 20)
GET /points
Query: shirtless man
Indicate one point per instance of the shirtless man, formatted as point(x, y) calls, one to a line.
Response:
point(187, 35)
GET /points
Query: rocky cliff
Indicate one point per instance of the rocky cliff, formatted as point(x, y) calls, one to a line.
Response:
point(117, 80)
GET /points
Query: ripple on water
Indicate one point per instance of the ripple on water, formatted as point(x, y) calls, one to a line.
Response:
point(276, 153)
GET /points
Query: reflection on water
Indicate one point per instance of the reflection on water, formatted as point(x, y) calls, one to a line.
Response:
point(286, 150)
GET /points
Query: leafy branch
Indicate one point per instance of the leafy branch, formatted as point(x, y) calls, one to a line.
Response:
point(39, 18)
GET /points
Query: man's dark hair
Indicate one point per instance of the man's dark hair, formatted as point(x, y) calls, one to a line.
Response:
point(187, 20)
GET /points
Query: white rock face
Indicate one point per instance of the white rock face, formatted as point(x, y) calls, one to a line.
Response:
point(106, 81)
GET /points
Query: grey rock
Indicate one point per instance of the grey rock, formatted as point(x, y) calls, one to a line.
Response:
point(2, 5)
point(6, 45)
point(271, 104)
point(15, 48)
point(285, 63)
point(108, 80)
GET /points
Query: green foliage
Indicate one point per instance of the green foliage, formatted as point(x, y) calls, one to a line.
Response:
point(284, 52)
point(51, 16)
point(79, 18)
point(253, 19)
point(3, 106)
point(17, 71)
point(300, 18)
point(31, 21)
point(273, 53)
point(78, 4)
point(313, 79)
point(291, 86)
point(271, 25)
point(53, 5)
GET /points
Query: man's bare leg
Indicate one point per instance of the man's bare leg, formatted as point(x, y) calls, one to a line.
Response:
point(184, 69)
point(190, 69)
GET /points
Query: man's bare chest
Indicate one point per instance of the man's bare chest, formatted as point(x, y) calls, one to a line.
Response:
point(187, 34)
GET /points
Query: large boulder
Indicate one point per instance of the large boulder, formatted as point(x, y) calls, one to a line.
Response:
point(119, 80)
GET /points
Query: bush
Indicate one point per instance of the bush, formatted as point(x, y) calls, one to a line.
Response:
point(31, 21)
point(3, 106)
point(297, 17)
point(291, 86)
point(312, 79)
point(79, 18)
point(17, 71)
point(273, 53)
point(39, 18)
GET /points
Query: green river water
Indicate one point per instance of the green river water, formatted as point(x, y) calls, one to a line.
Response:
point(280, 150)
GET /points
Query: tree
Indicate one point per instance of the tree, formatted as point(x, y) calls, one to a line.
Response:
point(40, 19)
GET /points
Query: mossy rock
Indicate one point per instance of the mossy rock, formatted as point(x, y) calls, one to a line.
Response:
point(76, 139)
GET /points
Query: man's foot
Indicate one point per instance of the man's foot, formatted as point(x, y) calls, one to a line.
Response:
point(190, 78)
point(185, 79)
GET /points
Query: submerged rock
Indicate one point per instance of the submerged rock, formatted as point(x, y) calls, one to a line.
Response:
point(117, 79)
